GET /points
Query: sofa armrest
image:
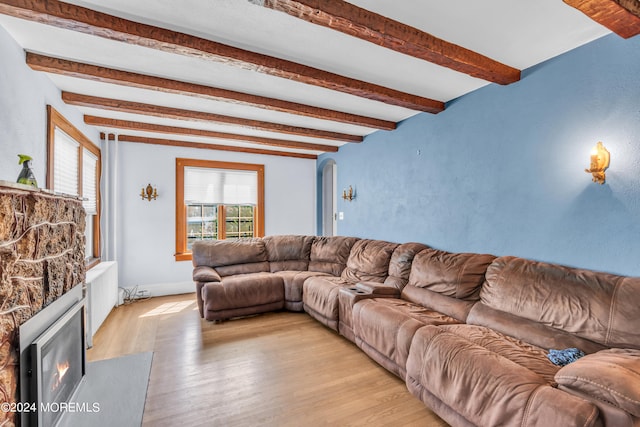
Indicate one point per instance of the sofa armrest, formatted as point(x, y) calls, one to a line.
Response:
point(611, 375)
point(378, 290)
point(204, 273)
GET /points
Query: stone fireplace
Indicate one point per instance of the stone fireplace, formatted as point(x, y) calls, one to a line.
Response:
point(41, 259)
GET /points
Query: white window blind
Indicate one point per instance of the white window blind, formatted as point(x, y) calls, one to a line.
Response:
point(220, 186)
point(89, 190)
point(65, 164)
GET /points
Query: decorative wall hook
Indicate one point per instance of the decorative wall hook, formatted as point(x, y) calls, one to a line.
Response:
point(149, 193)
point(348, 195)
point(599, 163)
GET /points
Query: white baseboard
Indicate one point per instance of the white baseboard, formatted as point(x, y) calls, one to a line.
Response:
point(160, 289)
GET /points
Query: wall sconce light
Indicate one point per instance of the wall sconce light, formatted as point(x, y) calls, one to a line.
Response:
point(599, 162)
point(149, 193)
point(348, 195)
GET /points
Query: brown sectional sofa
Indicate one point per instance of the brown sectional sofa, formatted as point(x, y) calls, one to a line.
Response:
point(441, 290)
point(469, 333)
point(368, 261)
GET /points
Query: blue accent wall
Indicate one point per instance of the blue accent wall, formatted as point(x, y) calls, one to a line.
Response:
point(501, 170)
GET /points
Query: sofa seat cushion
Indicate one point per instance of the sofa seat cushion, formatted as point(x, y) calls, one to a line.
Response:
point(384, 328)
point(320, 298)
point(485, 387)
point(526, 355)
point(293, 282)
point(242, 294)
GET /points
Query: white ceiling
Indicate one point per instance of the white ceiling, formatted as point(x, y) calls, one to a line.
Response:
point(517, 33)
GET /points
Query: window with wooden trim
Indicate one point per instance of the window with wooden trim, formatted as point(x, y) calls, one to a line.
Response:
point(73, 167)
point(216, 201)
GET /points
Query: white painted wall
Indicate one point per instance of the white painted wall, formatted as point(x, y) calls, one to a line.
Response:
point(145, 231)
point(24, 95)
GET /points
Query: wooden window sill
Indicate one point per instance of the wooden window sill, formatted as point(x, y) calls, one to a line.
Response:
point(186, 256)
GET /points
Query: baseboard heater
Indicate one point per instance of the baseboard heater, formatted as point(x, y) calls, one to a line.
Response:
point(102, 295)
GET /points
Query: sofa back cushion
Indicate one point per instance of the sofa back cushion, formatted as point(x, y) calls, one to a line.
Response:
point(594, 306)
point(329, 254)
point(288, 253)
point(369, 261)
point(447, 282)
point(231, 257)
point(400, 264)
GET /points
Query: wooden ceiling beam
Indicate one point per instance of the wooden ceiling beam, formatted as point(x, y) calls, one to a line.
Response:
point(88, 21)
point(68, 68)
point(205, 146)
point(176, 130)
point(180, 114)
point(620, 16)
point(358, 22)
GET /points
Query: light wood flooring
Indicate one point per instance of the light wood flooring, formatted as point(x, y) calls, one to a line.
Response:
point(275, 369)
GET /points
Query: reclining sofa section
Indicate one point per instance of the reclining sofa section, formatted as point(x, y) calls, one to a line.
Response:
point(469, 333)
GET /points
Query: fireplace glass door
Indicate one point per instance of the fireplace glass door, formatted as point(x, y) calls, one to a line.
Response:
point(59, 365)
